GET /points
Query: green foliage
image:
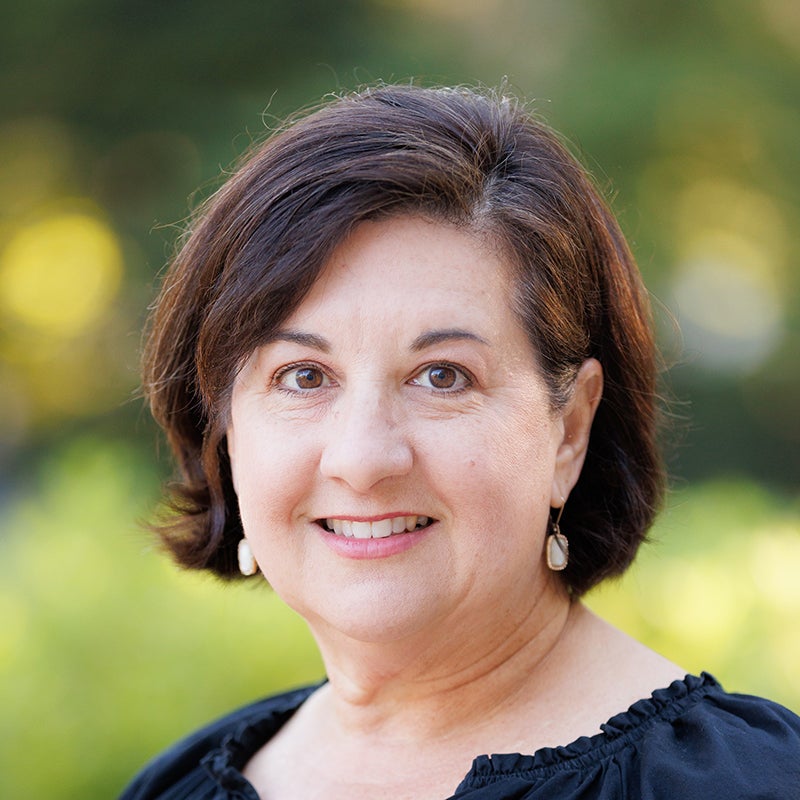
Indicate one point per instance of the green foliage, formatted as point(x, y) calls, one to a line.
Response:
point(716, 589)
point(108, 653)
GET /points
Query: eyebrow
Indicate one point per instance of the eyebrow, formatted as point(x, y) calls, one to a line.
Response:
point(298, 337)
point(431, 338)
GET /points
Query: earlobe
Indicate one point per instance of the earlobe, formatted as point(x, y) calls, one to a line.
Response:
point(576, 427)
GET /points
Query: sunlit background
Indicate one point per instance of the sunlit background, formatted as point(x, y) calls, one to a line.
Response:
point(117, 118)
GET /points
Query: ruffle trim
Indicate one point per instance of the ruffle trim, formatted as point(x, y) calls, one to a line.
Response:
point(224, 764)
point(620, 731)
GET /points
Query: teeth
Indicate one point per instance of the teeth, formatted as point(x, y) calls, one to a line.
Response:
point(398, 525)
point(375, 530)
point(381, 529)
point(362, 530)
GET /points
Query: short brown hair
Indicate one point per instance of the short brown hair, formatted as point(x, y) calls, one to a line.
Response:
point(458, 156)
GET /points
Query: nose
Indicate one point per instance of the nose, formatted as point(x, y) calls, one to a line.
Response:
point(366, 442)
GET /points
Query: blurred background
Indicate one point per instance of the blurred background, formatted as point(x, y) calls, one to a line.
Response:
point(118, 117)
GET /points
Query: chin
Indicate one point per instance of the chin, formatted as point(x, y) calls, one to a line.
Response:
point(373, 614)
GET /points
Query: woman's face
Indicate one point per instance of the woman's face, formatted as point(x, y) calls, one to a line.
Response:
point(393, 447)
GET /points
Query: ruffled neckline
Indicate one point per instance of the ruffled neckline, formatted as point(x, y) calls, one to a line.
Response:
point(225, 763)
point(663, 705)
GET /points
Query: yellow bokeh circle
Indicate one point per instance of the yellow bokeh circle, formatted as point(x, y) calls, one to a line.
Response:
point(60, 274)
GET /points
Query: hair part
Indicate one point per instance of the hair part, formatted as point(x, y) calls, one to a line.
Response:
point(456, 156)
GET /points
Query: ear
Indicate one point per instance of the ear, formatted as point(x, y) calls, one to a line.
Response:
point(576, 423)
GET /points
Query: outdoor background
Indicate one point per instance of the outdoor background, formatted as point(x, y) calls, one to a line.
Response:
point(117, 117)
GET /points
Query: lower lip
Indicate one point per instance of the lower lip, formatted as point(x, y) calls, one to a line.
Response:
point(350, 547)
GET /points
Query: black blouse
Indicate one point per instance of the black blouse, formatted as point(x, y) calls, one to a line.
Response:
point(689, 741)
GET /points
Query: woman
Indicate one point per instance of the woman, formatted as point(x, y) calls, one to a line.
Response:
point(405, 362)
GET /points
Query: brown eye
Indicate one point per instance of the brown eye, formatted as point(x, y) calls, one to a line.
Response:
point(308, 378)
point(303, 378)
point(442, 377)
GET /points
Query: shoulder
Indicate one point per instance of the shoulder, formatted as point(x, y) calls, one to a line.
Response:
point(691, 740)
point(191, 767)
point(710, 743)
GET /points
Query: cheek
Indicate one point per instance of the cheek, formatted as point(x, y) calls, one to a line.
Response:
point(506, 461)
point(511, 478)
point(521, 444)
point(271, 469)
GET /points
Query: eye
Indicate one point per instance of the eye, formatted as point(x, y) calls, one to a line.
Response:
point(443, 377)
point(302, 377)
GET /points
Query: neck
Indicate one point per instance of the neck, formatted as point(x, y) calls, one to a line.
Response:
point(461, 677)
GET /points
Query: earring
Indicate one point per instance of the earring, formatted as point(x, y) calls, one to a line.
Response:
point(247, 561)
point(557, 544)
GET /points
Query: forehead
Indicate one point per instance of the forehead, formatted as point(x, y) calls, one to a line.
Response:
point(412, 265)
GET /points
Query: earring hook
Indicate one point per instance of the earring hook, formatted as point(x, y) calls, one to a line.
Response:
point(560, 511)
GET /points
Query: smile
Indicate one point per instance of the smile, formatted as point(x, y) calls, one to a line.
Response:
point(379, 529)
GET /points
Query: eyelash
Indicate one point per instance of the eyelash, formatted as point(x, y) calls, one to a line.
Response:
point(289, 368)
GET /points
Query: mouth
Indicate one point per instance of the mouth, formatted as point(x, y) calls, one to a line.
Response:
point(377, 529)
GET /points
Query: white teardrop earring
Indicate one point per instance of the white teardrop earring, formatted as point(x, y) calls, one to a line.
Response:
point(247, 561)
point(557, 545)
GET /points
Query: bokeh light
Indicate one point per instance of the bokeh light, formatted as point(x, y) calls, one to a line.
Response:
point(729, 282)
point(730, 312)
point(59, 275)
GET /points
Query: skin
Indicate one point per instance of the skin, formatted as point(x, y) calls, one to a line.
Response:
point(403, 384)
